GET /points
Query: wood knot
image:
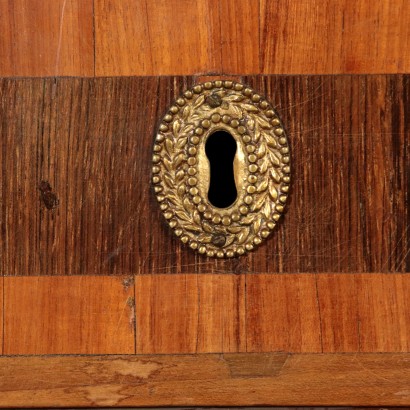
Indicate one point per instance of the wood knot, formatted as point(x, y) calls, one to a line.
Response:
point(48, 197)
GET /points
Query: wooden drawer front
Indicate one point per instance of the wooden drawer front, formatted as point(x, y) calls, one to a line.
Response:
point(101, 306)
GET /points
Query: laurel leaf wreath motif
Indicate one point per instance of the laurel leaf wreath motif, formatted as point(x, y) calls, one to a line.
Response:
point(174, 154)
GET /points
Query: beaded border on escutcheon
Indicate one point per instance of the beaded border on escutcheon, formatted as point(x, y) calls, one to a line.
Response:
point(251, 119)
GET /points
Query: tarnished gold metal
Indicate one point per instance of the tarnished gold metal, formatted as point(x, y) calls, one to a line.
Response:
point(181, 173)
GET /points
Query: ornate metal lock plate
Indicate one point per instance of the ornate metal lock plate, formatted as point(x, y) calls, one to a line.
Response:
point(261, 167)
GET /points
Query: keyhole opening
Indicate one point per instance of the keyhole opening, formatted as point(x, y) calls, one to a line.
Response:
point(220, 148)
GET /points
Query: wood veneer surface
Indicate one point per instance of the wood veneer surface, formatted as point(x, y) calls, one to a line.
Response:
point(1, 313)
point(168, 37)
point(46, 38)
point(46, 315)
point(352, 313)
point(206, 380)
point(187, 313)
point(91, 139)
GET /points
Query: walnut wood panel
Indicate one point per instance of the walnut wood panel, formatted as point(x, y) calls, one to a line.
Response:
point(334, 36)
point(46, 38)
point(206, 380)
point(91, 140)
point(190, 313)
point(76, 315)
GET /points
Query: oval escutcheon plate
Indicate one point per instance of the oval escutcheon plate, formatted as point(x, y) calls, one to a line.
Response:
point(261, 167)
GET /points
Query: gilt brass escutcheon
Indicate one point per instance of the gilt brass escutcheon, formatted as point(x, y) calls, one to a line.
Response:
point(261, 168)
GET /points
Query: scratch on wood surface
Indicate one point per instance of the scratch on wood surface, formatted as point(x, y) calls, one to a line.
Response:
point(369, 372)
point(132, 315)
point(359, 340)
point(60, 36)
point(111, 255)
point(319, 313)
point(151, 59)
point(198, 318)
point(307, 100)
point(394, 249)
point(129, 303)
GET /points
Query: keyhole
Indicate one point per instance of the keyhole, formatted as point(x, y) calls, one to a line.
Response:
point(220, 148)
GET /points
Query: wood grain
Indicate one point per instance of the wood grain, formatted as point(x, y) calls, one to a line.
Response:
point(91, 140)
point(167, 314)
point(1, 313)
point(239, 28)
point(206, 380)
point(139, 37)
point(76, 315)
point(46, 38)
point(190, 313)
point(135, 37)
point(339, 304)
point(183, 313)
point(387, 303)
point(333, 37)
point(364, 313)
point(282, 313)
